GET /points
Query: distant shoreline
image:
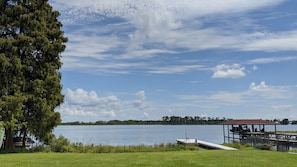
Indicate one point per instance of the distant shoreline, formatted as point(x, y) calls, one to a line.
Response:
point(136, 123)
point(166, 120)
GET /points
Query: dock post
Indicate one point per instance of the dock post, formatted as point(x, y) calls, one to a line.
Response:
point(224, 133)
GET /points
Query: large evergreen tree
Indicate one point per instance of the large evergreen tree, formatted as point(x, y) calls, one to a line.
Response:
point(31, 41)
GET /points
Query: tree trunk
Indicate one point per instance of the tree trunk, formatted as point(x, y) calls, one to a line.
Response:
point(24, 138)
point(8, 143)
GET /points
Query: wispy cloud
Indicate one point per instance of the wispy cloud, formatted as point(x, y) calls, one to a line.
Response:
point(284, 107)
point(271, 60)
point(253, 93)
point(176, 69)
point(271, 42)
point(117, 31)
point(131, 8)
point(202, 40)
point(270, 92)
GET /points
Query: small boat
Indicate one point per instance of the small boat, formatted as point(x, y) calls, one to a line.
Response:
point(204, 144)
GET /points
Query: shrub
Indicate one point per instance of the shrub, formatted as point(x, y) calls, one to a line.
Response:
point(238, 145)
point(60, 144)
point(262, 147)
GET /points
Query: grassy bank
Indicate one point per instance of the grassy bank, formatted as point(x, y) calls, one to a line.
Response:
point(243, 158)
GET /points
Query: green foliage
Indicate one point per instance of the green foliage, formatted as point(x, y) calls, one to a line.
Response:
point(263, 147)
point(239, 146)
point(31, 42)
point(248, 146)
point(1, 123)
point(63, 145)
point(60, 144)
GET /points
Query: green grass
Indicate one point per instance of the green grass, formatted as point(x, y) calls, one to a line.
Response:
point(209, 158)
point(287, 132)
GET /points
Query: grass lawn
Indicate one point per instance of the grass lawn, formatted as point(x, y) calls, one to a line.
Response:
point(211, 158)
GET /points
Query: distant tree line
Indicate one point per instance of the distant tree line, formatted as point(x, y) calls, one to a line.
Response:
point(116, 122)
point(171, 120)
point(188, 120)
point(166, 120)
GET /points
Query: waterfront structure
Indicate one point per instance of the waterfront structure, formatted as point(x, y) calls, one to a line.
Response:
point(253, 131)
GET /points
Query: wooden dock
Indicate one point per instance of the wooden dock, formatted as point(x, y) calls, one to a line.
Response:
point(204, 144)
point(253, 131)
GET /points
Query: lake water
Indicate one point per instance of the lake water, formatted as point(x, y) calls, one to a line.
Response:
point(146, 134)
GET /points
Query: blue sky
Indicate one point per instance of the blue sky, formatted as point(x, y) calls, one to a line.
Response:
point(144, 59)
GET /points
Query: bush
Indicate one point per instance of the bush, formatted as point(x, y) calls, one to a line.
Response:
point(234, 145)
point(60, 144)
point(262, 147)
point(239, 145)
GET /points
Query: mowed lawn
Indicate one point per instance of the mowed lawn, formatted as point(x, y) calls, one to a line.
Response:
point(211, 158)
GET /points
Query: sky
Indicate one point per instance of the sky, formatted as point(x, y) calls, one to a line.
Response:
point(145, 59)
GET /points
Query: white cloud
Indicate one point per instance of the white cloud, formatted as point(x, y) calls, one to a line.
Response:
point(144, 29)
point(151, 25)
point(261, 87)
point(83, 105)
point(272, 60)
point(228, 71)
point(141, 104)
point(176, 69)
point(128, 9)
point(86, 42)
point(257, 100)
point(253, 94)
point(273, 42)
point(265, 91)
point(141, 95)
point(73, 112)
point(81, 97)
point(109, 37)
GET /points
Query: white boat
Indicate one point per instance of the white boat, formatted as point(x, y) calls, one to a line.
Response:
point(204, 144)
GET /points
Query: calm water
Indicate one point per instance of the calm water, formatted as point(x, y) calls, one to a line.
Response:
point(145, 134)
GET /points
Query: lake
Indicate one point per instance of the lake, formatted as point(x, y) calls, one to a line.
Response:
point(145, 134)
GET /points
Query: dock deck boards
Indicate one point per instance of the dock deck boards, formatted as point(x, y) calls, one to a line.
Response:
point(204, 144)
